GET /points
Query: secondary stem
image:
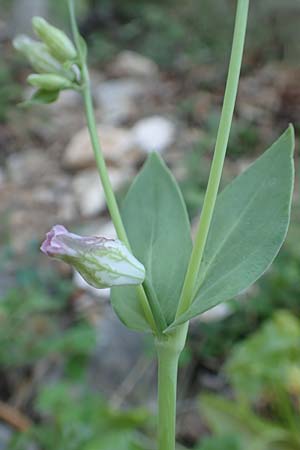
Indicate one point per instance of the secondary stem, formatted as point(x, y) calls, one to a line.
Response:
point(106, 184)
point(109, 194)
point(168, 351)
point(219, 156)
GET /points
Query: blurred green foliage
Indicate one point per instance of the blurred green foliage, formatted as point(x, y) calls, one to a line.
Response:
point(39, 328)
point(225, 442)
point(31, 317)
point(76, 419)
point(31, 329)
point(250, 430)
point(174, 33)
point(264, 372)
point(268, 362)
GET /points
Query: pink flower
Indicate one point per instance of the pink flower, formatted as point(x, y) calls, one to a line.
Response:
point(102, 262)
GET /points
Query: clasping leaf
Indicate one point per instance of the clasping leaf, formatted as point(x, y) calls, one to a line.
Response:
point(249, 225)
point(158, 229)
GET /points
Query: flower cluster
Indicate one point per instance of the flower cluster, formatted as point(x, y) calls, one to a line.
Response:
point(53, 58)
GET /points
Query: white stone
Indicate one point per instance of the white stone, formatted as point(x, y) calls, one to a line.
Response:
point(99, 227)
point(154, 133)
point(115, 143)
point(117, 99)
point(219, 312)
point(67, 100)
point(28, 166)
point(67, 210)
point(107, 230)
point(2, 177)
point(129, 63)
point(89, 192)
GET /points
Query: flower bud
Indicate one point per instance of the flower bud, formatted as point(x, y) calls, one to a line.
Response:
point(22, 43)
point(49, 82)
point(101, 262)
point(56, 40)
point(37, 54)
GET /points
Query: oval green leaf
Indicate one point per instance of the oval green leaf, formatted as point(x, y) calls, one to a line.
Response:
point(158, 229)
point(249, 225)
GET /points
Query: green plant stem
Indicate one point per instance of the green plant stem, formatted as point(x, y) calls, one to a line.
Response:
point(219, 156)
point(168, 351)
point(167, 385)
point(109, 194)
point(102, 169)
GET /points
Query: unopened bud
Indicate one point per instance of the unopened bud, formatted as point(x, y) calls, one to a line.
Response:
point(49, 82)
point(37, 54)
point(58, 42)
point(22, 43)
point(101, 262)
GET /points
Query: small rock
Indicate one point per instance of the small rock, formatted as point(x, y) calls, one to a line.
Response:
point(107, 230)
point(89, 192)
point(202, 106)
point(115, 143)
point(154, 134)
point(219, 312)
point(5, 436)
point(116, 355)
point(67, 208)
point(67, 100)
point(117, 99)
point(30, 165)
point(132, 64)
point(2, 177)
point(42, 195)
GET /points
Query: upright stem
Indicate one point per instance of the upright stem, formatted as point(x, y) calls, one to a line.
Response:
point(91, 122)
point(168, 352)
point(219, 156)
point(109, 194)
point(106, 184)
point(167, 387)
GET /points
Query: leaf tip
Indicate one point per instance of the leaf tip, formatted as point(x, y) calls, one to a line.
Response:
point(155, 157)
point(291, 133)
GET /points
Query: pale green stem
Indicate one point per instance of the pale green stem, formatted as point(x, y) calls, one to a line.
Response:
point(219, 156)
point(167, 386)
point(168, 351)
point(106, 184)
